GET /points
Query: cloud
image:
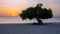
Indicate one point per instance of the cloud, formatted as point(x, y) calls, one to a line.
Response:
point(56, 2)
point(23, 4)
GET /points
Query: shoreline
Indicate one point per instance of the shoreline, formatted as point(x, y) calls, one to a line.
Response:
point(32, 23)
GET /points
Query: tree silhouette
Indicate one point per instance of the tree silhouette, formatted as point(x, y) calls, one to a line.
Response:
point(37, 13)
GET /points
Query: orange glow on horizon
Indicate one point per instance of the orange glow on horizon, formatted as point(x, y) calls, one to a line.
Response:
point(11, 11)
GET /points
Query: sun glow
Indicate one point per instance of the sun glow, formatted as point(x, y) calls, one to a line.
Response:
point(11, 7)
point(11, 12)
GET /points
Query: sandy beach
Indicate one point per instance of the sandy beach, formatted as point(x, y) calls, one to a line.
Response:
point(52, 28)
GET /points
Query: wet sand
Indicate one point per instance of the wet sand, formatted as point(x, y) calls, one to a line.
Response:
point(48, 28)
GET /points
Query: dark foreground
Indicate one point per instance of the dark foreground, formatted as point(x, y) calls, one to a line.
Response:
point(30, 29)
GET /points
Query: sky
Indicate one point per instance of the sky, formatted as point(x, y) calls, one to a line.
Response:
point(14, 7)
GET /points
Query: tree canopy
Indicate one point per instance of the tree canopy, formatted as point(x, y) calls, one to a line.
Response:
point(38, 11)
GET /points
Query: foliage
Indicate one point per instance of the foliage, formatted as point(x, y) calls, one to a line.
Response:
point(36, 12)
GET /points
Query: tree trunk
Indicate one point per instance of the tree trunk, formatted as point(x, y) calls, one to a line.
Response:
point(39, 21)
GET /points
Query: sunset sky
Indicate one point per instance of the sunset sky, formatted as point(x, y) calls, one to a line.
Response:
point(14, 7)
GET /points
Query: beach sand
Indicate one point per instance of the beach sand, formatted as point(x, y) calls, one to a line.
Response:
point(51, 28)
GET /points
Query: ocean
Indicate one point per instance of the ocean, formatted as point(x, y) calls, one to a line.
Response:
point(4, 20)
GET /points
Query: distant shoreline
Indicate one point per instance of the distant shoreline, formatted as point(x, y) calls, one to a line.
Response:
point(32, 23)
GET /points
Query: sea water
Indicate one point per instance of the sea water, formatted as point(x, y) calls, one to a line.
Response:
point(19, 20)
